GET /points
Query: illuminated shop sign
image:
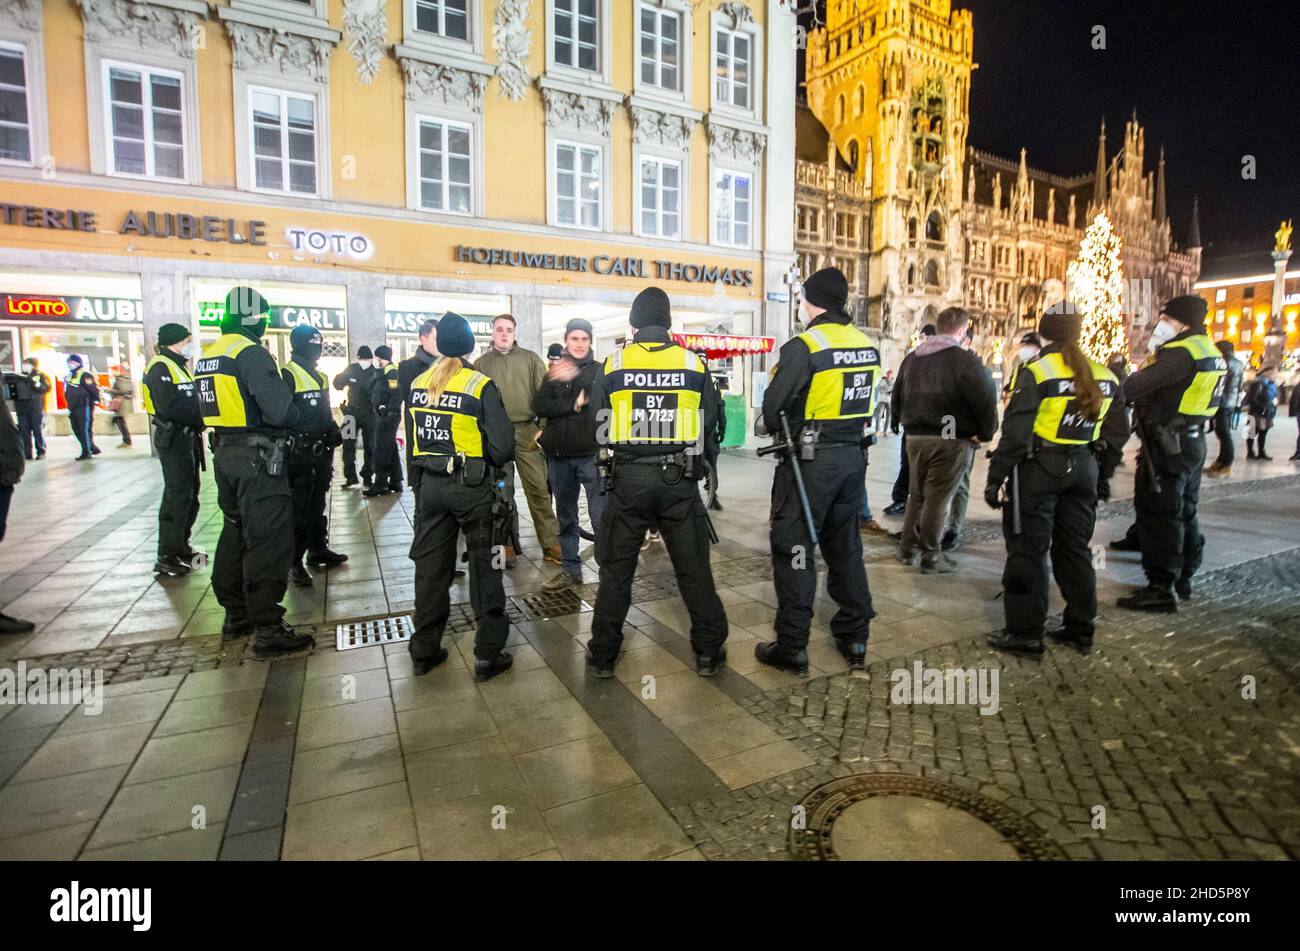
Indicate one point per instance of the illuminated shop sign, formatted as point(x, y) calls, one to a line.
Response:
point(342, 243)
point(146, 224)
point(606, 264)
point(720, 346)
point(283, 316)
point(409, 321)
point(79, 310)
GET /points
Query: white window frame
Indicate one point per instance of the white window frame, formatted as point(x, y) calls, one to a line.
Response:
point(577, 141)
point(603, 73)
point(720, 22)
point(107, 65)
point(643, 154)
point(416, 117)
point(716, 171)
point(313, 10)
point(682, 10)
point(470, 48)
point(284, 93)
point(30, 48)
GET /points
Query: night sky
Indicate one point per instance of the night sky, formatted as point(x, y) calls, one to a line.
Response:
point(1212, 82)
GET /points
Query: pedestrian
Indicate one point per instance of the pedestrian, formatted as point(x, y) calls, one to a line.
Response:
point(948, 406)
point(1049, 448)
point(660, 407)
point(359, 420)
point(898, 495)
point(11, 473)
point(1222, 466)
point(563, 403)
point(1173, 395)
point(553, 352)
point(30, 389)
point(176, 423)
point(825, 386)
point(1293, 407)
point(386, 398)
point(119, 404)
point(462, 439)
point(81, 393)
point(518, 374)
point(251, 412)
point(311, 462)
point(1030, 346)
point(1261, 403)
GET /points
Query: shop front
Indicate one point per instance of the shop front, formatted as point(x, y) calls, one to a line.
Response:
point(405, 311)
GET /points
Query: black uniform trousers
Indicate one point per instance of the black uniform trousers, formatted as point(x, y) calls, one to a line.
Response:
point(309, 481)
point(251, 569)
point(898, 494)
point(1223, 430)
point(1058, 510)
point(180, 499)
point(388, 464)
point(444, 508)
point(835, 480)
point(640, 500)
point(362, 428)
point(1171, 539)
point(30, 413)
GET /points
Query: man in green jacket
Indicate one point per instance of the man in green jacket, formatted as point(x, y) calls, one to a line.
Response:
point(518, 373)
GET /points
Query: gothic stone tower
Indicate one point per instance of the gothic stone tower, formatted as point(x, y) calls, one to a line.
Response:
point(890, 81)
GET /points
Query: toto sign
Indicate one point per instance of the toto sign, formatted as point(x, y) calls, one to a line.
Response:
point(314, 241)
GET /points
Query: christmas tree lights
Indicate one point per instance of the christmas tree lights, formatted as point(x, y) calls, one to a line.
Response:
point(1095, 282)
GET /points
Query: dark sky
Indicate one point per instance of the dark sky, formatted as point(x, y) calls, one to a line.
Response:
point(1212, 82)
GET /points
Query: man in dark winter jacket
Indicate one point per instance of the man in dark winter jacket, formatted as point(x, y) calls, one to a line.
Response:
point(386, 397)
point(30, 388)
point(358, 417)
point(1222, 466)
point(11, 472)
point(81, 393)
point(568, 438)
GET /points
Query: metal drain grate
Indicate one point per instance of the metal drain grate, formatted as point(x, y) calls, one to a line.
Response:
point(548, 604)
point(384, 630)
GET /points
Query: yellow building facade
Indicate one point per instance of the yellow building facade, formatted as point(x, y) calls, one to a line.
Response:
point(367, 164)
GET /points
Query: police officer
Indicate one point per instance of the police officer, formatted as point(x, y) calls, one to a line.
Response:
point(1175, 392)
point(662, 411)
point(1050, 440)
point(386, 397)
point(176, 423)
point(311, 463)
point(359, 418)
point(825, 383)
point(81, 393)
point(244, 400)
point(461, 439)
point(30, 388)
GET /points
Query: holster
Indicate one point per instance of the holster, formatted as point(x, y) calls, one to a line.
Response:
point(164, 433)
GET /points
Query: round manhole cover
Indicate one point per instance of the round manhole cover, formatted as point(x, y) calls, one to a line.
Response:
point(891, 817)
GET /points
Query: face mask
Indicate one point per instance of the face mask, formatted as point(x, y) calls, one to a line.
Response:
point(310, 351)
point(1163, 333)
point(1026, 354)
point(365, 364)
point(28, 368)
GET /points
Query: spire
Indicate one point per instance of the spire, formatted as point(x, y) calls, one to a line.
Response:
point(1160, 187)
point(1099, 179)
point(1194, 233)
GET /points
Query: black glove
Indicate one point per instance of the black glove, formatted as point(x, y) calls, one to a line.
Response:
point(333, 437)
point(991, 495)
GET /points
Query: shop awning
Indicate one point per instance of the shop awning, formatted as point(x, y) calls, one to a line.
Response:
point(721, 346)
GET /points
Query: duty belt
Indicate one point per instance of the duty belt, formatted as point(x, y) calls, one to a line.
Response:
point(250, 440)
point(309, 444)
point(657, 460)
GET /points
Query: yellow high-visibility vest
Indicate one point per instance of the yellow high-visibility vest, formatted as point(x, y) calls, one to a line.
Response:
point(1205, 392)
point(222, 399)
point(846, 369)
point(1059, 419)
point(180, 376)
point(654, 395)
point(452, 426)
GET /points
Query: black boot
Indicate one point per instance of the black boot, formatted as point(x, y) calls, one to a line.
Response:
point(774, 655)
point(487, 669)
point(708, 666)
point(13, 625)
point(171, 566)
point(1154, 597)
point(603, 671)
point(375, 490)
point(1079, 641)
point(278, 640)
point(422, 665)
point(233, 628)
point(1125, 544)
point(896, 508)
point(853, 652)
point(325, 558)
point(1183, 588)
point(951, 541)
point(299, 576)
point(1026, 644)
point(351, 483)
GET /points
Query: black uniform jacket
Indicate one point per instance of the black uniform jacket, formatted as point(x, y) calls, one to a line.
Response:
point(789, 391)
point(357, 380)
point(170, 402)
point(311, 419)
point(273, 407)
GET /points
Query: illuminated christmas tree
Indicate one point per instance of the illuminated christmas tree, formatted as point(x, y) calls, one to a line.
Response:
point(1095, 285)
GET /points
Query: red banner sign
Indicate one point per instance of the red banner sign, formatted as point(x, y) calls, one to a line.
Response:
point(720, 346)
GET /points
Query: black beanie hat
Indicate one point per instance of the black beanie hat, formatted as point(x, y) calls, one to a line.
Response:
point(828, 289)
point(1187, 309)
point(554, 351)
point(651, 309)
point(169, 334)
point(1060, 327)
point(455, 339)
point(364, 353)
point(384, 353)
point(246, 311)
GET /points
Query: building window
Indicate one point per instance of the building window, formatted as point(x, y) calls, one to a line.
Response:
point(732, 69)
point(577, 31)
point(733, 207)
point(1220, 295)
point(445, 166)
point(578, 185)
point(661, 195)
point(449, 18)
point(284, 141)
point(661, 48)
point(15, 124)
point(146, 113)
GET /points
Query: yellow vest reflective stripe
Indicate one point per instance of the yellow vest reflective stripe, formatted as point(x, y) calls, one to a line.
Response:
point(452, 426)
point(846, 368)
point(1205, 392)
point(654, 395)
point(303, 380)
point(220, 398)
point(180, 377)
point(1059, 420)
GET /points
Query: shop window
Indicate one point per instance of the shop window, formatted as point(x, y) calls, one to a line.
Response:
point(15, 122)
point(445, 166)
point(283, 141)
point(732, 69)
point(578, 185)
point(577, 31)
point(446, 18)
point(661, 187)
point(733, 207)
point(661, 48)
point(145, 113)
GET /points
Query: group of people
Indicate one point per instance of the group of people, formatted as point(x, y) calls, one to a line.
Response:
point(28, 390)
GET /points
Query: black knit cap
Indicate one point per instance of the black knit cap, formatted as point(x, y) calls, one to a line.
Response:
point(651, 309)
point(246, 310)
point(828, 289)
point(1187, 309)
point(364, 353)
point(1060, 327)
point(384, 353)
point(455, 338)
point(169, 334)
